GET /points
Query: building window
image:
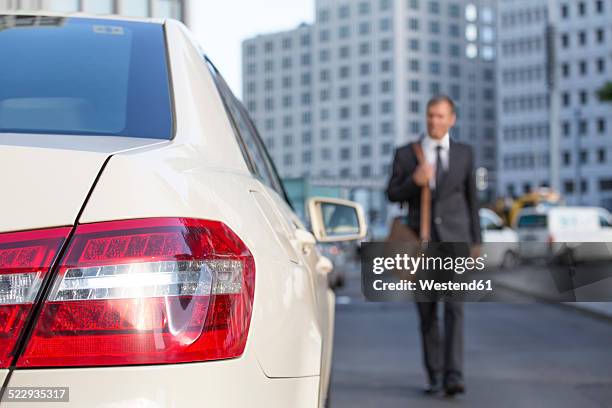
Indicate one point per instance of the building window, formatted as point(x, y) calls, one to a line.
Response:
point(564, 11)
point(385, 5)
point(364, 89)
point(434, 47)
point(344, 12)
point(385, 66)
point(385, 24)
point(365, 151)
point(364, 28)
point(364, 49)
point(601, 35)
point(344, 32)
point(385, 45)
point(413, 24)
point(98, 6)
point(323, 15)
point(414, 44)
point(414, 4)
point(601, 155)
point(62, 5)
point(364, 69)
point(415, 86)
point(435, 68)
point(601, 126)
point(434, 7)
point(364, 8)
point(365, 130)
point(434, 27)
point(386, 107)
point(581, 8)
point(414, 65)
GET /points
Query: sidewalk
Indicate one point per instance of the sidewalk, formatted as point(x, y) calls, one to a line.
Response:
point(541, 286)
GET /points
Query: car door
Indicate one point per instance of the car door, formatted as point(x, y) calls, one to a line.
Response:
point(299, 244)
point(302, 241)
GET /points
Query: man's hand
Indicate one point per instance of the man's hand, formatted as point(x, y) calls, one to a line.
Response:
point(422, 174)
point(475, 251)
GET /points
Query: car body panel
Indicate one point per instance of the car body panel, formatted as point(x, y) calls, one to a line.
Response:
point(154, 183)
point(232, 383)
point(3, 374)
point(498, 242)
point(46, 178)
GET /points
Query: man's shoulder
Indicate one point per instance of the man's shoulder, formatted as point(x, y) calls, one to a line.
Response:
point(462, 147)
point(405, 149)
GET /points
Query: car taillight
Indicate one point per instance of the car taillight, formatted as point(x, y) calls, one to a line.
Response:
point(25, 259)
point(150, 291)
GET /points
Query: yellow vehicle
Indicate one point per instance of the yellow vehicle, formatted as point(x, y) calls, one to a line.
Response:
point(541, 197)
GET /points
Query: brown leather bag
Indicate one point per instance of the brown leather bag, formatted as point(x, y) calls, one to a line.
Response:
point(400, 233)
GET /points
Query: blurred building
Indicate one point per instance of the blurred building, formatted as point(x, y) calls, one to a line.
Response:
point(134, 8)
point(334, 98)
point(553, 56)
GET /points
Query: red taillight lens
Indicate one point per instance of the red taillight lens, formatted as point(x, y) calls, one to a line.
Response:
point(25, 259)
point(149, 291)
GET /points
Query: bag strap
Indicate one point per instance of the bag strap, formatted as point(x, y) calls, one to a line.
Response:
point(425, 230)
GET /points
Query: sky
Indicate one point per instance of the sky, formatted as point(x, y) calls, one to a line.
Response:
point(221, 25)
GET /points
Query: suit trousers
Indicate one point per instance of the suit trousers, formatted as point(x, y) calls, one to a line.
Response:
point(442, 355)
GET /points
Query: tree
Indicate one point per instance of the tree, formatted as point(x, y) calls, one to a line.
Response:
point(605, 93)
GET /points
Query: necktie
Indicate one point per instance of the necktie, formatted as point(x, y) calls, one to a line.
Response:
point(439, 168)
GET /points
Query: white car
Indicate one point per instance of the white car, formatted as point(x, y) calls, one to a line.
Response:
point(148, 255)
point(500, 243)
point(586, 232)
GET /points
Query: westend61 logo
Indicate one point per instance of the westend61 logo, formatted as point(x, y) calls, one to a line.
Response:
point(454, 271)
point(410, 264)
point(393, 272)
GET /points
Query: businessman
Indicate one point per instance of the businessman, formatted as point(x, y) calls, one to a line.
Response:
point(448, 169)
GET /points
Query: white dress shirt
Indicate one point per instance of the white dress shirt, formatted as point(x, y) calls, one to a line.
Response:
point(429, 149)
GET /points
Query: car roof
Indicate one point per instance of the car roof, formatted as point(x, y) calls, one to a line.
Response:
point(109, 17)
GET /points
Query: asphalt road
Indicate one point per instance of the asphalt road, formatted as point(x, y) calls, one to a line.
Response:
point(516, 355)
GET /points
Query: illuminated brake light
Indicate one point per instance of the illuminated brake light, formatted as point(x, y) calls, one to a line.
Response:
point(149, 291)
point(25, 259)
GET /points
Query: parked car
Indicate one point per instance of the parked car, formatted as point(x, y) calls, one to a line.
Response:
point(533, 233)
point(500, 243)
point(148, 254)
point(583, 231)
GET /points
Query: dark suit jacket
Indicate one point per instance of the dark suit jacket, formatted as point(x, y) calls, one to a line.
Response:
point(454, 207)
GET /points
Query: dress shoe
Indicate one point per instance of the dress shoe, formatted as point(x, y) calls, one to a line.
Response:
point(454, 388)
point(433, 388)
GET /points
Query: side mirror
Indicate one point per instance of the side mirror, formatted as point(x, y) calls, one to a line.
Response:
point(334, 219)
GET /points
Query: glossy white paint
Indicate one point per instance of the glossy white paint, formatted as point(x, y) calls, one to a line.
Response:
point(232, 383)
point(45, 178)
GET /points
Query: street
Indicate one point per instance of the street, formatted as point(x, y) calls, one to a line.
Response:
point(516, 355)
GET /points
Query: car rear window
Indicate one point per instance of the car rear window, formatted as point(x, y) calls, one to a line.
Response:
point(84, 76)
point(533, 221)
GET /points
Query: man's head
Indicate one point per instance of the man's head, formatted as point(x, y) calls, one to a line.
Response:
point(440, 116)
